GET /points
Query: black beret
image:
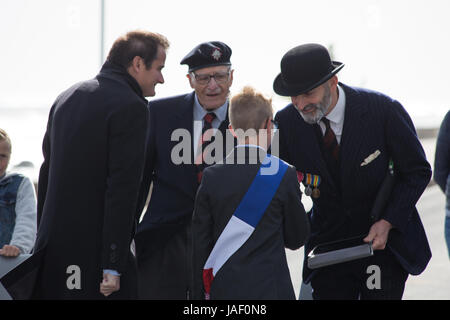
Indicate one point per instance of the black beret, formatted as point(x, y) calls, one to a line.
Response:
point(208, 54)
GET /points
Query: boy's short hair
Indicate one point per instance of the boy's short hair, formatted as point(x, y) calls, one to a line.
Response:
point(249, 109)
point(4, 137)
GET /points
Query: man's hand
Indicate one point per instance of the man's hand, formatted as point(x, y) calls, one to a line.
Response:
point(9, 251)
point(110, 284)
point(379, 234)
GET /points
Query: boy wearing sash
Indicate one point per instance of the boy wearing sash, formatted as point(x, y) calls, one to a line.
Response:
point(248, 210)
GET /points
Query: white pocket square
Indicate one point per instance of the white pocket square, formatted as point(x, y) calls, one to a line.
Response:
point(370, 158)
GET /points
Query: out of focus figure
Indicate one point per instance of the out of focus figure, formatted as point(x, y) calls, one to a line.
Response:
point(442, 170)
point(17, 206)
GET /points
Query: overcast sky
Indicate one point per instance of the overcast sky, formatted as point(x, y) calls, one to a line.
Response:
point(399, 47)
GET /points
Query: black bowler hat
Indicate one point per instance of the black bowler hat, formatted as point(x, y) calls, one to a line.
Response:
point(208, 54)
point(304, 68)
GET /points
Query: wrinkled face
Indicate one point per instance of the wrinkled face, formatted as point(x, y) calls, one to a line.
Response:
point(5, 155)
point(149, 78)
point(314, 105)
point(212, 85)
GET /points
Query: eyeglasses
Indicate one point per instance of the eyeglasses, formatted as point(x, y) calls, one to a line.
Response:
point(204, 79)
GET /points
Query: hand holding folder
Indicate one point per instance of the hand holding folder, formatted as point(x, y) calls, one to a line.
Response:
point(358, 247)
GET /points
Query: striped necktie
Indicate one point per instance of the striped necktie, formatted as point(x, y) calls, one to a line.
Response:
point(330, 141)
point(204, 141)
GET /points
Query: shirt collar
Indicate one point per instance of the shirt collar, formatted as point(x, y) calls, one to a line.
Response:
point(337, 114)
point(199, 111)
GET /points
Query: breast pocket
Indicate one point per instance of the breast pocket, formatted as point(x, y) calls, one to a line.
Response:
point(7, 210)
point(7, 202)
point(372, 171)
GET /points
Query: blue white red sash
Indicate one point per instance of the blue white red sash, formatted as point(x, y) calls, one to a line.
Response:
point(245, 219)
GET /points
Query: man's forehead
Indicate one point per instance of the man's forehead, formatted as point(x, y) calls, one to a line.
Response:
point(210, 70)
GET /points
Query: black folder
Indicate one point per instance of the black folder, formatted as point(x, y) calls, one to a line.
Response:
point(353, 248)
point(339, 251)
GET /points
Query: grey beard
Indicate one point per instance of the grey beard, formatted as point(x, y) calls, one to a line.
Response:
point(321, 109)
point(312, 119)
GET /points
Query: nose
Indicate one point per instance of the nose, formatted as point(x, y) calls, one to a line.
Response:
point(212, 84)
point(298, 102)
point(161, 78)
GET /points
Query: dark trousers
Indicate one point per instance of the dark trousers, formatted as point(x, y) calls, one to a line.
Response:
point(165, 274)
point(358, 279)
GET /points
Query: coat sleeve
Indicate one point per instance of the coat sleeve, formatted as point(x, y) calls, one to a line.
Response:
point(149, 164)
point(127, 132)
point(281, 138)
point(296, 226)
point(44, 170)
point(442, 156)
point(413, 172)
point(202, 237)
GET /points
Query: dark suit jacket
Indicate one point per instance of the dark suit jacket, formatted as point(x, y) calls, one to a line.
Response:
point(258, 270)
point(174, 185)
point(372, 122)
point(88, 184)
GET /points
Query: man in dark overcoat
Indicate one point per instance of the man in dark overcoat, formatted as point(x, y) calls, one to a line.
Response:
point(94, 150)
point(342, 139)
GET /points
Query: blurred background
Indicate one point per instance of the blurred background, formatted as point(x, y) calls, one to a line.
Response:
point(400, 48)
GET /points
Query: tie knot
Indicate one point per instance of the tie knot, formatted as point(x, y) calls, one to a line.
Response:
point(326, 122)
point(209, 117)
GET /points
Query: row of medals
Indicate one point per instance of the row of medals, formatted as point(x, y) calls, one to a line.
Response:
point(310, 192)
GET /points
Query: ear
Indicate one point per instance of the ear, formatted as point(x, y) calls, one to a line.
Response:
point(333, 82)
point(266, 123)
point(137, 63)
point(190, 80)
point(231, 76)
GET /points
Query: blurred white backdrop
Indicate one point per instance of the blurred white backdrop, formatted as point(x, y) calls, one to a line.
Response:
point(398, 47)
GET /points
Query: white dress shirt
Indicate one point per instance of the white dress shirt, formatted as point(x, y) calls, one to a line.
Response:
point(199, 113)
point(336, 116)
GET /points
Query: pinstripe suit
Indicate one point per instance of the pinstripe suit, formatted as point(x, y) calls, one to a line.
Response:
point(372, 122)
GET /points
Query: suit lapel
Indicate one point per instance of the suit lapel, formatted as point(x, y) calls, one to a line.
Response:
point(316, 154)
point(223, 129)
point(184, 118)
point(310, 147)
point(353, 133)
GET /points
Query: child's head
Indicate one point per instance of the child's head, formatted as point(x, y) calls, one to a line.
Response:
point(251, 112)
point(5, 151)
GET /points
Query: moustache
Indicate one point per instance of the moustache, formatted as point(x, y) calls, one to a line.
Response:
point(310, 107)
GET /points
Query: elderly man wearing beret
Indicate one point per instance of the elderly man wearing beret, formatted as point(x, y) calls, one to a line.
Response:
point(163, 241)
point(342, 140)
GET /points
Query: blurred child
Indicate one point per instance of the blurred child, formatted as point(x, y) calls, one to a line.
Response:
point(18, 221)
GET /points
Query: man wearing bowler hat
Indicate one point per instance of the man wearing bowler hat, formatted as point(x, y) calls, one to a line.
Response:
point(163, 240)
point(342, 139)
